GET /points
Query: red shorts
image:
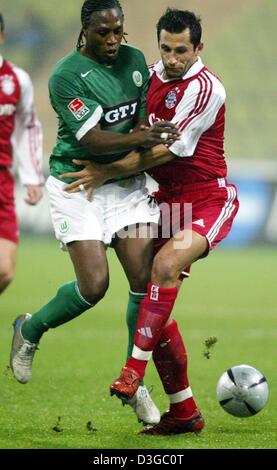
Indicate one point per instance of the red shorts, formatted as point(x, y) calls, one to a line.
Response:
point(213, 206)
point(8, 219)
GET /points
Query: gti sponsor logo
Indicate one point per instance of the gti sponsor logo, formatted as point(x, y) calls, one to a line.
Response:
point(119, 113)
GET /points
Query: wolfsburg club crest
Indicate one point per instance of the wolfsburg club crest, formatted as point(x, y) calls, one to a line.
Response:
point(7, 84)
point(64, 226)
point(137, 78)
point(170, 100)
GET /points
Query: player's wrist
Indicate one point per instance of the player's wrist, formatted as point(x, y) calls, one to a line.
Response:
point(110, 171)
point(139, 138)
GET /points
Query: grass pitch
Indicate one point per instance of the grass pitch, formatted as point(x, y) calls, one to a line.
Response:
point(231, 295)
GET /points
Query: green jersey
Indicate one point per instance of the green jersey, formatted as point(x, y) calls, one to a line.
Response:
point(84, 93)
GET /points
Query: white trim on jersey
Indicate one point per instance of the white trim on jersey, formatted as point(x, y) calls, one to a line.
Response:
point(27, 136)
point(90, 123)
point(159, 69)
point(225, 213)
point(197, 111)
point(151, 68)
point(221, 182)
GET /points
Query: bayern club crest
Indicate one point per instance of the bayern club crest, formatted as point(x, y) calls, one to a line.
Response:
point(7, 84)
point(171, 99)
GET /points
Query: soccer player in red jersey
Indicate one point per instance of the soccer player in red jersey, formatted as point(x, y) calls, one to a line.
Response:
point(182, 90)
point(20, 133)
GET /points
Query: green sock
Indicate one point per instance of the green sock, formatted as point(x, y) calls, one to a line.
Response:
point(131, 320)
point(66, 305)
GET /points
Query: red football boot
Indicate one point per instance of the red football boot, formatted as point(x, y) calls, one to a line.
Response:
point(172, 425)
point(126, 385)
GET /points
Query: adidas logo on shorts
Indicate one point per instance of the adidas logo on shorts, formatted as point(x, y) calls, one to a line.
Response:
point(199, 222)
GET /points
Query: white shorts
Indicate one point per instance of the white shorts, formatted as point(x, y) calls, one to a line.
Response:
point(114, 206)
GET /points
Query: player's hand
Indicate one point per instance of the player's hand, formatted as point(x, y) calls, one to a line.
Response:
point(162, 132)
point(34, 194)
point(90, 177)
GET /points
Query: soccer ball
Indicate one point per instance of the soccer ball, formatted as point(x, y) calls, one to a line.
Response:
point(242, 391)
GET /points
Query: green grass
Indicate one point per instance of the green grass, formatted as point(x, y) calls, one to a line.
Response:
point(230, 295)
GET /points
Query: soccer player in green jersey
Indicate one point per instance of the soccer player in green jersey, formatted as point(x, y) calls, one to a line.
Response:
point(98, 92)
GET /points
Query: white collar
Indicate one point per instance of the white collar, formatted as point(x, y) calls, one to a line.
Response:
point(194, 69)
point(1, 60)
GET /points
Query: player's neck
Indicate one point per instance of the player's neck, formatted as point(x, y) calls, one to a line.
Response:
point(86, 54)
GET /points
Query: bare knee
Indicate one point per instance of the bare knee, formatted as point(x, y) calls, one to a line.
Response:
point(164, 270)
point(95, 290)
point(139, 281)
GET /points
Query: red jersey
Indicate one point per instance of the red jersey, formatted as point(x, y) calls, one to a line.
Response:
point(9, 98)
point(196, 103)
point(20, 130)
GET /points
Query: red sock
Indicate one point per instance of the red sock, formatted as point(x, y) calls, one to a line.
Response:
point(154, 312)
point(170, 358)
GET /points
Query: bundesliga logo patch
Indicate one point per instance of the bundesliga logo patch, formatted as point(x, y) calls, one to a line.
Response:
point(170, 100)
point(78, 108)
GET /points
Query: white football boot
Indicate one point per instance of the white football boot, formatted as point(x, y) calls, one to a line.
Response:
point(22, 352)
point(143, 406)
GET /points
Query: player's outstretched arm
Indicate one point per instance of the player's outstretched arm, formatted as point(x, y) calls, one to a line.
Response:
point(93, 175)
point(100, 142)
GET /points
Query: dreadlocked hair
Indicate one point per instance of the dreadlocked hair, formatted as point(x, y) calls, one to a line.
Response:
point(88, 8)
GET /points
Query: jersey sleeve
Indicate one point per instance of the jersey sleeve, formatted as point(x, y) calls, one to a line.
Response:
point(145, 84)
point(196, 112)
point(71, 102)
point(27, 135)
